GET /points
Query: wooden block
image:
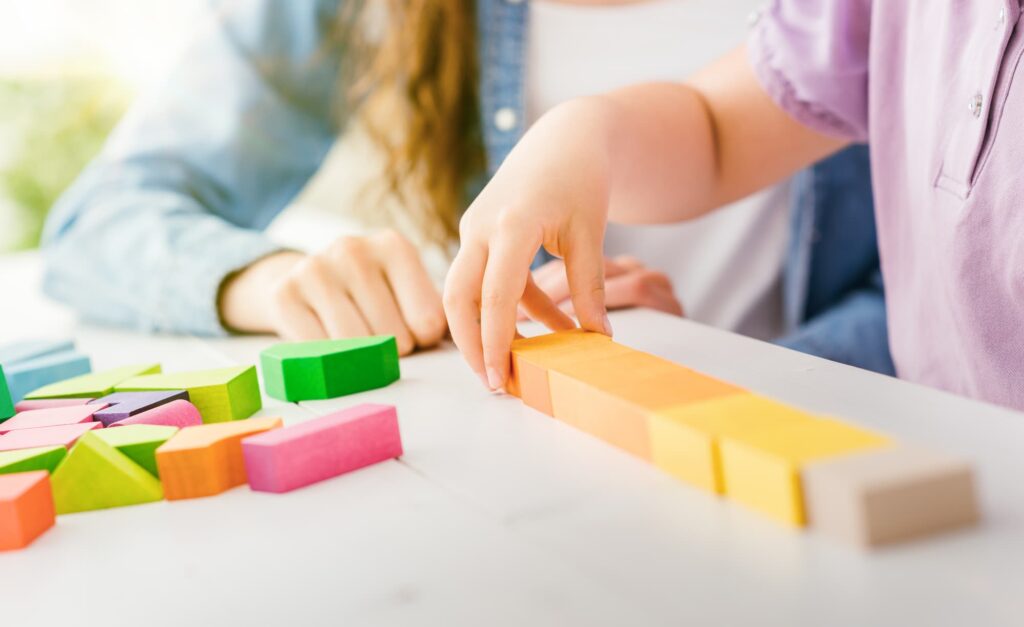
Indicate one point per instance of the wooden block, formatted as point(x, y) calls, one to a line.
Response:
point(32, 374)
point(95, 475)
point(61, 435)
point(761, 467)
point(23, 460)
point(139, 442)
point(124, 405)
point(92, 385)
point(220, 395)
point(685, 439)
point(52, 417)
point(532, 357)
point(282, 460)
point(50, 403)
point(301, 371)
point(32, 349)
point(614, 398)
point(889, 495)
point(6, 404)
point(174, 414)
point(26, 508)
point(207, 460)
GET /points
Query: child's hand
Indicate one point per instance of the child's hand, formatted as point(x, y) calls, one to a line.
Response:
point(552, 190)
point(628, 283)
point(358, 286)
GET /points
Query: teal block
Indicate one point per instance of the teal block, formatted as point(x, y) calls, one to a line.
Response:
point(32, 374)
point(6, 404)
point(31, 349)
point(302, 371)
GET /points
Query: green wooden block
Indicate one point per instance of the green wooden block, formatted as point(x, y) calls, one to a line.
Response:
point(95, 475)
point(6, 404)
point(138, 442)
point(302, 371)
point(220, 395)
point(92, 385)
point(23, 460)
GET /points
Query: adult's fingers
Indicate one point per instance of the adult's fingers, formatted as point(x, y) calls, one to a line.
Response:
point(504, 282)
point(417, 298)
point(584, 268)
point(538, 306)
point(462, 304)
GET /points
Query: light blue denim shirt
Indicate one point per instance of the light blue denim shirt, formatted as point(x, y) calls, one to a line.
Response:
point(179, 197)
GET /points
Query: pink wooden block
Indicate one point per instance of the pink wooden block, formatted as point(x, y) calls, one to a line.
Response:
point(48, 403)
point(282, 460)
point(61, 435)
point(37, 418)
point(175, 414)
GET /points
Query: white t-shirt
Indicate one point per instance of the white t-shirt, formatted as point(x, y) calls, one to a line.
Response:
point(726, 266)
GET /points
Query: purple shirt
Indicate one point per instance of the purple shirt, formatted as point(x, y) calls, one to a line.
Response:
point(932, 87)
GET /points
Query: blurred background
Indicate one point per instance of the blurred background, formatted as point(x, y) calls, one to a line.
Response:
point(68, 70)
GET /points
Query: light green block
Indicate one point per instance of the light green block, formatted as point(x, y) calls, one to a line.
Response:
point(6, 404)
point(220, 395)
point(95, 475)
point(138, 442)
point(92, 385)
point(302, 371)
point(23, 460)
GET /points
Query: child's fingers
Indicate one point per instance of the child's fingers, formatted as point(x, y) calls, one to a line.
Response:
point(462, 304)
point(508, 268)
point(295, 320)
point(556, 286)
point(584, 265)
point(537, 305)
point(417, 297)
point(327, 298)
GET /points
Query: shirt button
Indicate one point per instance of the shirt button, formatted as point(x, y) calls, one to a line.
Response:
point(1002, 17)
point(505, 119)
point(753, 18)
point(975, 105)
point(513, 1)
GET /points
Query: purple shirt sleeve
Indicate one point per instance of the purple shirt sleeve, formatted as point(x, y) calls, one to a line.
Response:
point(811, 57)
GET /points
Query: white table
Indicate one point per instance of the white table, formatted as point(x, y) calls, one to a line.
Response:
point(498, 515)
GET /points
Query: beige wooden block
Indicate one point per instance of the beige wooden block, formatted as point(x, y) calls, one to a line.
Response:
point(889, 495)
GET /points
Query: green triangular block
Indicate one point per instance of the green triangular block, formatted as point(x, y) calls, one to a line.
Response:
point(96, 475)
point(6, 404)
point(138, 442)
point(23, 460)
point(92, 385)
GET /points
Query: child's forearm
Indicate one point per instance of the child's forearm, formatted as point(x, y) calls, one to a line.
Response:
point(677, 151)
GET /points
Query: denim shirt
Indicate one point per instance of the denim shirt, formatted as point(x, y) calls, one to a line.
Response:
point(179, 197)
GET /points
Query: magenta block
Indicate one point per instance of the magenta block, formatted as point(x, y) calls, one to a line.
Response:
point(177, 413)
point(49, 403)
point(127, 404)
point(282, 460)
point(52, 417)
point(63, 435)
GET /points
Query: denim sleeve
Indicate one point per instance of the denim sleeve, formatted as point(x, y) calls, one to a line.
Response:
point(177, 199)
point(853, 331)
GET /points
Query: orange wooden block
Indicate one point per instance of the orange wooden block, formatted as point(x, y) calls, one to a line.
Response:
point(26, 508)
point(532, 357)
point(207, 459)
point(613, 399)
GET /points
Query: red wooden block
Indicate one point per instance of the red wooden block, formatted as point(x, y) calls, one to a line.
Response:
point(26, 508)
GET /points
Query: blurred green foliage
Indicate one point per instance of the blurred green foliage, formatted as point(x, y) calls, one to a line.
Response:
point(49, 130)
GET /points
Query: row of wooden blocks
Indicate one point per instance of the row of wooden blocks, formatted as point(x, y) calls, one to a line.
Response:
point(96, 468)
point(846, 481)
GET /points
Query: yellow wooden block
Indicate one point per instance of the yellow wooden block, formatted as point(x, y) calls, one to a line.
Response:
point(761, 467)
point(613, 399)
point(531, 358)
point(685, 438)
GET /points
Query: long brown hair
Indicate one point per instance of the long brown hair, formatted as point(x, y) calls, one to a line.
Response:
point(411, 77)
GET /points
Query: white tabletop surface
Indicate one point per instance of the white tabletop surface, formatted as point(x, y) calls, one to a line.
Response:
point(498, 515)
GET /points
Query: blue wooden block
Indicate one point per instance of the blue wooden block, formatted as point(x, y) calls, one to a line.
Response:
point(32, 374)
point(11, 354)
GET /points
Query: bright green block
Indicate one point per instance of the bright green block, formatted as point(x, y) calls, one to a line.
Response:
point(95, 475)
point(6, 404)
point(92, 385)
point(138, 442)
point(23, 460)
point(220, 395)
point(303, 371)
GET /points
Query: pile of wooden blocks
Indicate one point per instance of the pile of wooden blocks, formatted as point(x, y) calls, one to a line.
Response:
point(798, 468)
point(134, 435)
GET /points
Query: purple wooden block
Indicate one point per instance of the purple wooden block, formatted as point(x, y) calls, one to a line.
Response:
point(126, 404)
